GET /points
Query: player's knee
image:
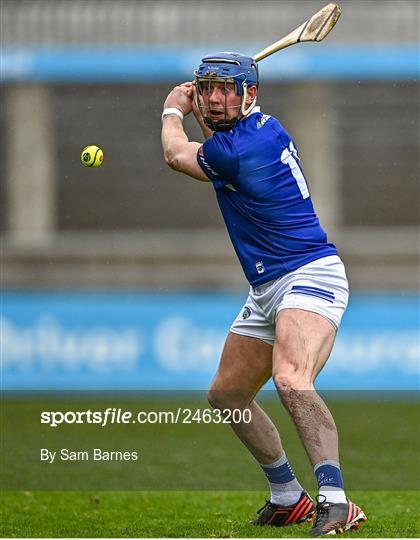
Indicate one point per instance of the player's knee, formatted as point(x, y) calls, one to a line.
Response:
point(284, 382)
point(216, 399)
point(286, 372)
point(291, 372)
point(225, 399)
point(287, 392)
point(291, 388)
point(290, 385)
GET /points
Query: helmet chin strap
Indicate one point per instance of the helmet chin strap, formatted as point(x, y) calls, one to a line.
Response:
point(246, 111)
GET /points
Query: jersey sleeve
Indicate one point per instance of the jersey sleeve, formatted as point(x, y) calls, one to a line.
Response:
point(219, 159)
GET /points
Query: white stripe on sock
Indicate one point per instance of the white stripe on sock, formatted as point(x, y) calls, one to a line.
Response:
point(333, 494)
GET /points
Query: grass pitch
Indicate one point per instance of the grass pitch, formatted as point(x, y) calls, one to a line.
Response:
point(183, 514)
point(379, 453)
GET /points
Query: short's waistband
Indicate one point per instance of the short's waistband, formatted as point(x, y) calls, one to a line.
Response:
point(261, 289)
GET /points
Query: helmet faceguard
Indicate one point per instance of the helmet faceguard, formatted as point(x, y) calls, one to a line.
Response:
point(226, 68)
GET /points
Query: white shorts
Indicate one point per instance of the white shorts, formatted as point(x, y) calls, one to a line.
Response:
point(320, 286)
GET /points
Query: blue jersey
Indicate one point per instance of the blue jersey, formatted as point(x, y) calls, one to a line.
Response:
point(264, 198)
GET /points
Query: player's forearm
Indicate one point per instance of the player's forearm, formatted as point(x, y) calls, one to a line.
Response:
point(174, 140)
point(173, 137)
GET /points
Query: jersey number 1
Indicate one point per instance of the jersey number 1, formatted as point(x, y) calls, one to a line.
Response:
point(289, 156)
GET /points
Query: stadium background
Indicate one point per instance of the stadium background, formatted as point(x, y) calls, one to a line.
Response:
point(123, 276)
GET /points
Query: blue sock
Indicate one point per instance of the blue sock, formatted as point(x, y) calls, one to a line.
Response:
point(330, 481)
point(284, 487)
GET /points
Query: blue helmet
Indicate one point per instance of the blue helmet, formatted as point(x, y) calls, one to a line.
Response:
point(228, 67)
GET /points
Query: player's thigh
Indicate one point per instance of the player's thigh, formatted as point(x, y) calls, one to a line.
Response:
point(245, 366)
point(303, 343)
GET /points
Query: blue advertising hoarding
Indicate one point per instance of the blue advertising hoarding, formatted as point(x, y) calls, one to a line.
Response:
point(173, 341)
point(149, 64)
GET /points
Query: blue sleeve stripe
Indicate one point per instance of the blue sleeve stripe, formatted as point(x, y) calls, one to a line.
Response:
point(200, 161)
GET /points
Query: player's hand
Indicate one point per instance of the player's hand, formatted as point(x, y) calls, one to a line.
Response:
point(181, 97)
point(196, 110)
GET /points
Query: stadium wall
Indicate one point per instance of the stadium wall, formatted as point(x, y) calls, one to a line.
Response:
point(136, 223)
